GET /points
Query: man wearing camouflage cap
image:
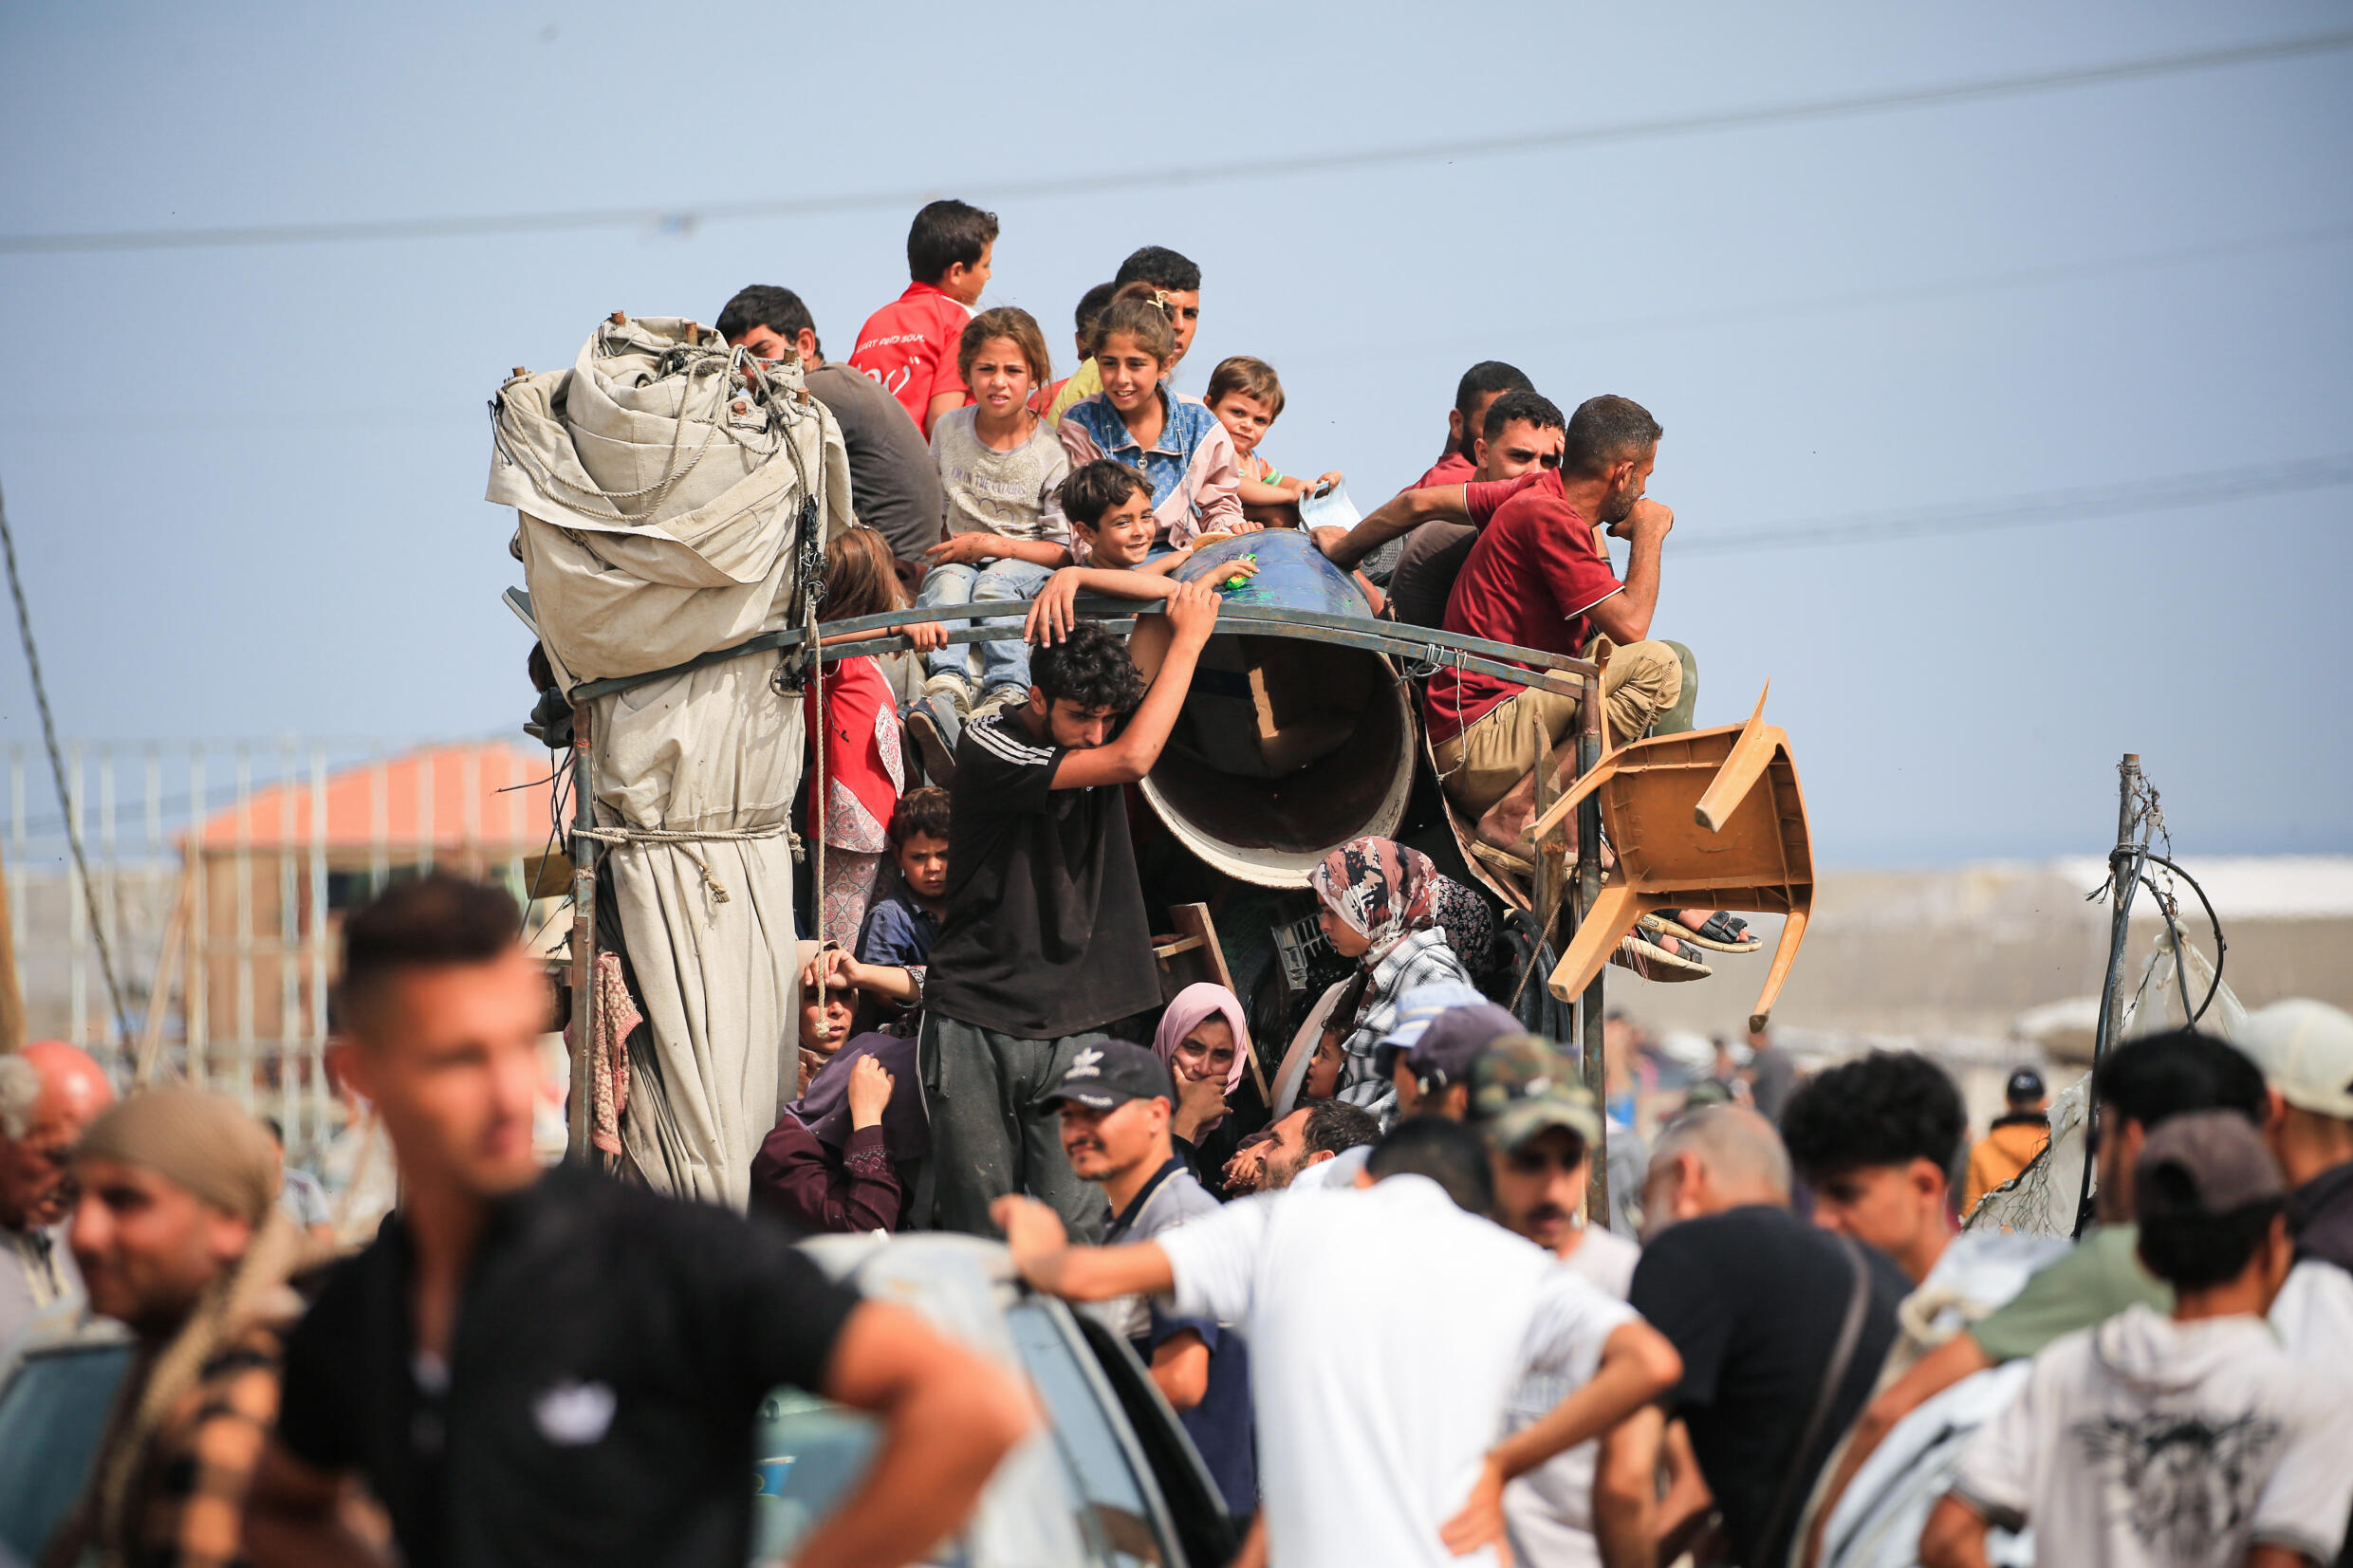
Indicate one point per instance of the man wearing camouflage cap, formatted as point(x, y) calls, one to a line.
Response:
point(1540, 1126)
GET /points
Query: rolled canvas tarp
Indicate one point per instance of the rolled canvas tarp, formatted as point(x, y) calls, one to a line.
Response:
point(671, 496)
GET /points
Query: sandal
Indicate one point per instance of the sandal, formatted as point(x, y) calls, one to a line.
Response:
point(1721, 933)
point(1652, 962)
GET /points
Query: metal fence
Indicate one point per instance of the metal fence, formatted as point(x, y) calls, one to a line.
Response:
point(218, 874)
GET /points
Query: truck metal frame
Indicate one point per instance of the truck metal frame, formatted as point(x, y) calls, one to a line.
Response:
point(1566, 888)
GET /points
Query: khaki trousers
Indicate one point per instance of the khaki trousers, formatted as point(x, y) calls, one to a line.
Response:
point(1644, 685)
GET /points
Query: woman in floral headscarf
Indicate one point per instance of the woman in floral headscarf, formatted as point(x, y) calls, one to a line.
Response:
point(1381, 907)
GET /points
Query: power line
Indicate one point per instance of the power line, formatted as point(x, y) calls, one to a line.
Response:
point(57, 770)
point(685, 219)
point(227, 417)
point(1551, 330)
point(2068, 505)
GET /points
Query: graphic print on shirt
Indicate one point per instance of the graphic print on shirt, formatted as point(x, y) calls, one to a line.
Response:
point(2189, 1482)
point(896, 382)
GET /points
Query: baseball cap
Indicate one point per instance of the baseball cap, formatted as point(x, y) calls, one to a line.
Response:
point(2026, 1084)
point(1453, 1042)
point(2306, 1051)
point(1106, 1074)
point(1705, 1092)
point(2203, 1163)
point(1415, 1009)
point(1521, 1085)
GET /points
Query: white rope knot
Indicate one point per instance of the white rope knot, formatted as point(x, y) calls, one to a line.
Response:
point(620, 836)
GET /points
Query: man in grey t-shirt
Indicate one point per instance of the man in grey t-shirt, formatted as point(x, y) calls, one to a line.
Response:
point(1118, 1102)
point(893, 488)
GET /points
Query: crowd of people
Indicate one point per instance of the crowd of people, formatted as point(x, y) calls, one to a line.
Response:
point(980, 477)
point(1393, 1334)
point(1369, 1268)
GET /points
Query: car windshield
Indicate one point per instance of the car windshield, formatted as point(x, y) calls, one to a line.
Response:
point(51, 1414)
point(810, 1452)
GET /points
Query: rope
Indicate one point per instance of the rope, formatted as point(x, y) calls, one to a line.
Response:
point(622, 835)
point(821, 788)
point(692, 360)
point(57, 771)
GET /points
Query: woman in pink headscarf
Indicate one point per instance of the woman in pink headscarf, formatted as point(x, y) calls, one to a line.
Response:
point(1205, 1041)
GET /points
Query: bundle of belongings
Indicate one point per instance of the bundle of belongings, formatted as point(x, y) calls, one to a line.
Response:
point(674, 499)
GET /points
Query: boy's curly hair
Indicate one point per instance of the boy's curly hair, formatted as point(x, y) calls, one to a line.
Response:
point(1888, 1108)
point(1090, 668)
point(920, 813)
point(1094, 489)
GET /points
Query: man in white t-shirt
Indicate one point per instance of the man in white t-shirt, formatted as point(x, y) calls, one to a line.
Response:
point(2190, 1441)
point(1389, 1323)
point(1540, 1126)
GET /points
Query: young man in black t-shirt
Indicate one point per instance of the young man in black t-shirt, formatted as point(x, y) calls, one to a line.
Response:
point(1045, 941)
point(553, 1368)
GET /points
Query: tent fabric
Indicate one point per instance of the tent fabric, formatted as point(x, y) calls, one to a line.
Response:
point(663, 484)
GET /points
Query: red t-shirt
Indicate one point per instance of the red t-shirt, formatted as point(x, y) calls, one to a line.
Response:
point(910, 347)
point(1531, 577)
point(1453, 469)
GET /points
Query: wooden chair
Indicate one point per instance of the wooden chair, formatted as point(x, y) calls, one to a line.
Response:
point(1710, 818)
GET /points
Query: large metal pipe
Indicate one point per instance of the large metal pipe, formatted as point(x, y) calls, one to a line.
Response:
point(1287, 746)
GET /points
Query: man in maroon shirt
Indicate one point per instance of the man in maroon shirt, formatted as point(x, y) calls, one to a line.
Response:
point(1521, 434)
point(1480, 387)
point(1537, 578)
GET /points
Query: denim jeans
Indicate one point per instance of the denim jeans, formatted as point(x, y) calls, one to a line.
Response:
point(1002, 663)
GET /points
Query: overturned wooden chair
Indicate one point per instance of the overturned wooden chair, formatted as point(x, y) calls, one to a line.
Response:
point(1710, 818)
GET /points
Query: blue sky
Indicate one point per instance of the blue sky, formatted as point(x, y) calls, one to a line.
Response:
point(246, 482)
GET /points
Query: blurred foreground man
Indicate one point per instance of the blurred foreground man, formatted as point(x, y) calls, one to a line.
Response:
point(49, 1092)
point(178, 1237)
point(533, 1367)
point(2183, 1439)
point(2306, 1051)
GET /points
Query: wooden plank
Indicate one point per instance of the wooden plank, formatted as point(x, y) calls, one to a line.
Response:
point(1200, 932)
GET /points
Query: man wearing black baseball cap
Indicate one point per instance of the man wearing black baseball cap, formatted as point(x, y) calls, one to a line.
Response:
point(1431, 1064)
point(1117, 1102)
point(2187, 1437)
point(2013, 1140)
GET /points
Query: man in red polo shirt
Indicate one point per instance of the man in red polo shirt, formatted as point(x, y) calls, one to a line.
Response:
point(1473, 394)
point(910, 345)
point(1536, 577)
point(1522, 434)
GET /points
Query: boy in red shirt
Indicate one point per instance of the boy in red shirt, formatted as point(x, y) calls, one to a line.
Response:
point(909, 346)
